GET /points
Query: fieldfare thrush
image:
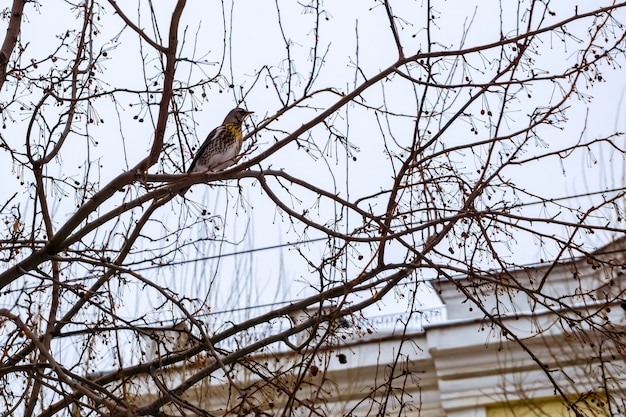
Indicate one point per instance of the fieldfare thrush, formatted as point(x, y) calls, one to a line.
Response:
point(222, 146)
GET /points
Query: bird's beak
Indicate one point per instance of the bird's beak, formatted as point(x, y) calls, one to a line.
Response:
point(248, 113)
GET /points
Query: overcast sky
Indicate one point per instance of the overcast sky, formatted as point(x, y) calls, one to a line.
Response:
point(249, 221)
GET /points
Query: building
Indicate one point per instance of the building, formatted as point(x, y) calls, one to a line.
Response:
point(554, 347)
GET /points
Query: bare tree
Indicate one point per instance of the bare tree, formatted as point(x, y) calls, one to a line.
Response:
point(393, 145)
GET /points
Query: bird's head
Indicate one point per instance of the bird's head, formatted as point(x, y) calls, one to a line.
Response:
point(237, 116)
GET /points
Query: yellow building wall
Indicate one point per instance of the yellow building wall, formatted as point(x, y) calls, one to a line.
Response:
point(591, 406)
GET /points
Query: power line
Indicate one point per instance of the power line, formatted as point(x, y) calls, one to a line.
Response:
point(237, 253)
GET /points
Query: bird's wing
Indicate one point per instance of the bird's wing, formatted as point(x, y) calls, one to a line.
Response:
point(210, 137)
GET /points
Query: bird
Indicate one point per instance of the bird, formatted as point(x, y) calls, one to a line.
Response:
point(222, 146)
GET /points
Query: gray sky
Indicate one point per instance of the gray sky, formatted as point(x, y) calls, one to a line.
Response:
point(249, 220)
